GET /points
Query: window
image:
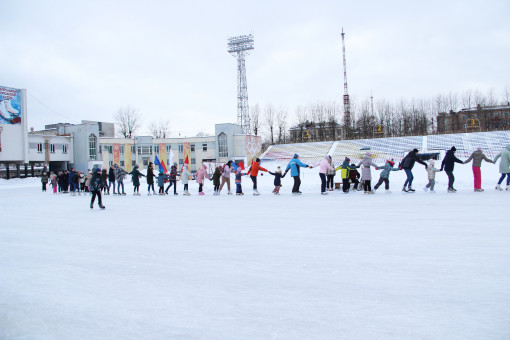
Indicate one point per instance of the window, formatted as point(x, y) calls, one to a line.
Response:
point(111, 163)
point(192, 147)
point(145, 150)
point(145, 162)
point(39, 147)
point(168, 148)
point(52, 148)
point(156, 149)
point(133, 163)
point(193, 161)
point(121, 163)
point(181, 161)
point(92, 147)
point(133, 150)
point(204, 147)
point(222, 145)
point(121, 149)
point(64, 148)
point(181, 148)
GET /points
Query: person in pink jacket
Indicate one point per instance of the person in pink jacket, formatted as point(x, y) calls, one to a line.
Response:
point(324, 167)
point(201, 173)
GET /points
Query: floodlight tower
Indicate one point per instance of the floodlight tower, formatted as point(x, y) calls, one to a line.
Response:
point(239, 47)
point(347, 103)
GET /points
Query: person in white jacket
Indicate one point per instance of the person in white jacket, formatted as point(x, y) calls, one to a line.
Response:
point(324, 167)
point(185, 178)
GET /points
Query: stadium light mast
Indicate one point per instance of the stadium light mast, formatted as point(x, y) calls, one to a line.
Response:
point(239, 47)
point(347, 103)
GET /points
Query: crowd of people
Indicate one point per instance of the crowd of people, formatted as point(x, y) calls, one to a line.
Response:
point(98, 182)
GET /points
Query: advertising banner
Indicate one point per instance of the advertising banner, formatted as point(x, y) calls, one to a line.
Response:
point(253, 147)
point(10, 106)
point(187, 153)
point(127, 158)
point(162, 153)
point(116, 153)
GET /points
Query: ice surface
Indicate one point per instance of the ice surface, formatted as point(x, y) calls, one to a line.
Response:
point(399, 266)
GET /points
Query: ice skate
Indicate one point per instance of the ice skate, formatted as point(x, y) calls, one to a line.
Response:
point(91, 206)
point(201, 193)
point(404, 189)
point(324, 193)
point(425, 189)
point(229, 193)
point(451, 190)
point(102, 206)
point(387, 191)
point(507, 188)
point(410, 189)
point(432, 191)
point(176, 193)
point(256, 193)
point(498, 187)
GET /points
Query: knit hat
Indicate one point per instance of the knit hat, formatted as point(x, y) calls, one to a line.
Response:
point(479, 148)
point(368, 154)
point(390, 162)
point(98, 170)
point(415, 150)
point(453, 148)
point(278, 170)
point(328, 157)
point(175, 163)
point(296, 155)
point(347, 159)
point(160, 171)
point(257, 160)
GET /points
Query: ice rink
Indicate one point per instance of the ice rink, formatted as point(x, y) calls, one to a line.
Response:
point(355, 266)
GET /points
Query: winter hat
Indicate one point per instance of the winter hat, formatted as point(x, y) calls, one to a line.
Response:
point(347, 159)
point(257, 160)
point(479, 148)
point(453, 148)
point(368, 154)
point(415, 150)
point(328, 157)
point(98, 170)
point(175, 163)
point(185, 165)
point(160, 171)
point(431, 162)
point(278, 170)
point(296, 155)
point(390, 162)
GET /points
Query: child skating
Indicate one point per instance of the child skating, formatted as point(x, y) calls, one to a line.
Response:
point(216, 180)
point(201, 174)
point(431, 174)
point(385, 175)
point(277, 180)
point(185, 179)
point(161, 182)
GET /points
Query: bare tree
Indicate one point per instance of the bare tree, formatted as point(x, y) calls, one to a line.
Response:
point(491, 97)
point(255, 119)
point(269, 117)
point(128, 121)
point(160, 129)
point(203, 134)
point(506, 96)
point(467, 99)
point(281, 122)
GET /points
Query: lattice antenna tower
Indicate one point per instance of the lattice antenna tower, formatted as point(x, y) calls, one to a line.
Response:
point(347, 103)
point(239, 47)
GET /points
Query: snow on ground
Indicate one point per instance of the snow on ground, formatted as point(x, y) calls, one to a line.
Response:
point(399, 266)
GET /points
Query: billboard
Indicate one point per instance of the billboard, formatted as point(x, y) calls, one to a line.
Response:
point(253, 147)
point(10, 105)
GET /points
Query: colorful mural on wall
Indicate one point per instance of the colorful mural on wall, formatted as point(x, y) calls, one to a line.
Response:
point(10, 106)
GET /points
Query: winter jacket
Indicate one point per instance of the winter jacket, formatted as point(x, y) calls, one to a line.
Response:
point(477, 158)
point(104, 174)
point(44, 179)
point(277, 178)
point(119, 173)
point(173, 173)
point(135, 175)
point(346, 169)
point(97, 182)
point(504, 165)
point(410, 159)
point(226, 171)
point(111, 174)
point(386, 169)
point(54, 181)
point(87, 179)
point(150, 175)
point(294, 166)
point(324, 166)
point(449, 161)
point(239, 175)
point(216, 176)
point(201, 173)
point(331, 171)
point(161, 179)
point(431, 172)
point(366, 174)
point(70, 177)
point(354, 174)
point(185, 175)
point(254, 169)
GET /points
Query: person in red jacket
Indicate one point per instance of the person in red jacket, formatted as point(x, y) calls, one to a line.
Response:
point(253, 171)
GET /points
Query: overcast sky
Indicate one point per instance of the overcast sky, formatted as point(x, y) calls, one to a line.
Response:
point(86, 59)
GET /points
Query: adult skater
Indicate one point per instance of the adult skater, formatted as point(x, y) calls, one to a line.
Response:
point(111, 179)
point(294, 166)
point(135, 177)
point(504, 167)
point(97, 182)
point(172, 179)
point(366, 173)
point(119, 177)
point(407, 164)
point(448, 164)
point(225, 177)
point(150, 179)
point(253, 171)
point(324, 167)
point(477, 156)
point(44, 181)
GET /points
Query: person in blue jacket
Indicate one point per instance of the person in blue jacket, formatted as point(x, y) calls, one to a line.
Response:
point(294, 166)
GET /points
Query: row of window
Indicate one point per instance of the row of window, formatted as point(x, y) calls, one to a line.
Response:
point(150, 149)
point(146, 162)
point(52, 148)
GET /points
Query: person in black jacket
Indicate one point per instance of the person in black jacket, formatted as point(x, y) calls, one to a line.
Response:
point(407, 164)
point(111, 179)
point(448, 163)
point(97, 182)
point(277, 180)
point(150, 179)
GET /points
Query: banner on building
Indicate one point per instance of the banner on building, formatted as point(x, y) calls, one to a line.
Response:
point(162, 153)
point(253, 147)
point(116, 153)
point(127, 158)
point(10, 106)
point(187, 153)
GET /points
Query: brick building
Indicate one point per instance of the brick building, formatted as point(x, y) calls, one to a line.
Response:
point(489, 118)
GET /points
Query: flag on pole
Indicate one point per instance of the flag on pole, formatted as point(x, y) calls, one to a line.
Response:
point(161, 165)
point(241, 165)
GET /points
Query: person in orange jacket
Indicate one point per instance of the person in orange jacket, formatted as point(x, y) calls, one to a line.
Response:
point(253, 171)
